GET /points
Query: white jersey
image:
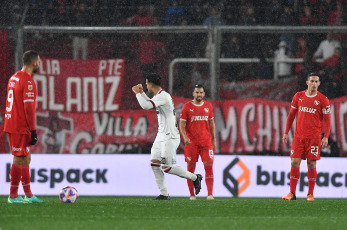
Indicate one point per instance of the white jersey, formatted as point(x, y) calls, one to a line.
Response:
point(166, 116)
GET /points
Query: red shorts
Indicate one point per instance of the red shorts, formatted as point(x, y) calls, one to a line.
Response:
point(192, 152)
point(306, 148)
point(19, 144)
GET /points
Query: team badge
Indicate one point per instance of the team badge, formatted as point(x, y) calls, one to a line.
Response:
point(206, 110)
point(316, 102)
point(30, 87)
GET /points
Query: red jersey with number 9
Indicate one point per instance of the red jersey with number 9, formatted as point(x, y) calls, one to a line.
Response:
point(310, 111)
point(21, 89)
point(197, 119)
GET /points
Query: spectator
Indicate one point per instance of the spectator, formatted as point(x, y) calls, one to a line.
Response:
point(232, 49)
point(150, 52)
point(306, 17)
point(198, 12)
point(175, 14)
point(213, 20)
point(331, 74)
point(272, 13)
point(325, 8)
point(80, 42)
point(326, 48)
point(301, 52)
point(141, 18)
point(249, 40)
point(288, 18)
point(337, 16)
point(284, 69)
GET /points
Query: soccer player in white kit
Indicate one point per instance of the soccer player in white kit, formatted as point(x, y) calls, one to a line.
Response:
point(163, 152)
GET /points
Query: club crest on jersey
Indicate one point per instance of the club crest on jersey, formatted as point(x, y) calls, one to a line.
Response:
point(30, 87)
point(316, 102)
point(206, 110)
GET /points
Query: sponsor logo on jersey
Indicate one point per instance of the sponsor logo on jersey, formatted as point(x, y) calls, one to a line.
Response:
point(307, 110)
point(12, 84)
point(316, 102)
point(199, 118)
point(206, 110)
point(30, 87)
point(326, 110)
point(301, 99)
point(191, 110)
point(15, 149)
point(30, 94)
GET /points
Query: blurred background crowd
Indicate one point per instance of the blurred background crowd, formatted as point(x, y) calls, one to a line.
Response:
point(151, 50)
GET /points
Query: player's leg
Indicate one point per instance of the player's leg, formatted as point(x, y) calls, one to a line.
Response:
point(191, 157)
point(158, 173)
point(168, 155)
point(313, 154)
point(296, 154)
point(207, 156)
point(16, 172)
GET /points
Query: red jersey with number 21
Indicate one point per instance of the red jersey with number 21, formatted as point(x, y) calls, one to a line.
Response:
point(310, 111)
point(21, 89)
point(197, 119)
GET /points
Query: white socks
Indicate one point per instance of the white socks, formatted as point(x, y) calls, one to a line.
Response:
point(178, 171)
point(160, 179)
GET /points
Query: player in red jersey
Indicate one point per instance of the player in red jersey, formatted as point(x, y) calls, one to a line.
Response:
point(199, 136)
point(313, 117)
point(20, 126)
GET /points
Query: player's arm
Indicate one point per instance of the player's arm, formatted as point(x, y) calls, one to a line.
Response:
point(143, 100)
point(326, 126)
point(290, 120)
point(183, 130)
point(213, 132)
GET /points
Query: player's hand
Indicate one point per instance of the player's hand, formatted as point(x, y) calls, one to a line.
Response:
point(186, 141)
point(324, 142)
point(33, 137)
point(285, 138)
point(140, 87)
point(136, 89)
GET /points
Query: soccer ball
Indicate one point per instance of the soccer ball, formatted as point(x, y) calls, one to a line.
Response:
point(68, 194)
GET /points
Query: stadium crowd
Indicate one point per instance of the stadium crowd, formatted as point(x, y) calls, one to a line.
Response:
point(155, 48)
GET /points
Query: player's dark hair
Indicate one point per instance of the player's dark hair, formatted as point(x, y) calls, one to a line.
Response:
point(154, 78)
point(199, 87)
point(311, 75)
point(29, 57)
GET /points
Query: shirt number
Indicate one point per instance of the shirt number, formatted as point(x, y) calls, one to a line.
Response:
point(314, 150)
point(10, 100)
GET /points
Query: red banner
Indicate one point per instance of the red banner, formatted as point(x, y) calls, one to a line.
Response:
point(78, 111)
point(80, 86)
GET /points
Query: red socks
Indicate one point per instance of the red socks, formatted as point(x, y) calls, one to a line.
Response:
point(311, 176)
point(191, 168)
point(26, 181)
point(16, 175)
point(294, 177)
point(209, 177)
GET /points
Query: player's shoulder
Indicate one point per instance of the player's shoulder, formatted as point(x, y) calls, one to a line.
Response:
point(322, 96)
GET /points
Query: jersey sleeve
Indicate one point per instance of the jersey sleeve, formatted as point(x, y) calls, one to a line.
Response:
point(325, 105)
point(294, 103)
point(211, 115)
point(184, 115)
point(28, 91)
point(160, 99)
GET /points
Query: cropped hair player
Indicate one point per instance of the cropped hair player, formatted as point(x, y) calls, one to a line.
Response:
point(312, 111)
point(198, 131)
point(20, 126)
point(163, 151)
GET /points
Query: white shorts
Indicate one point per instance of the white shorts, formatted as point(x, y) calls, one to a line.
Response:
point(165, 151)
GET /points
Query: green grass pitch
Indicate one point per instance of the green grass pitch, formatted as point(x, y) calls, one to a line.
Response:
point(178, 213)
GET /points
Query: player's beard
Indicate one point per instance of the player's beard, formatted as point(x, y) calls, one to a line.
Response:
point(198, 99)
point(36, 68)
